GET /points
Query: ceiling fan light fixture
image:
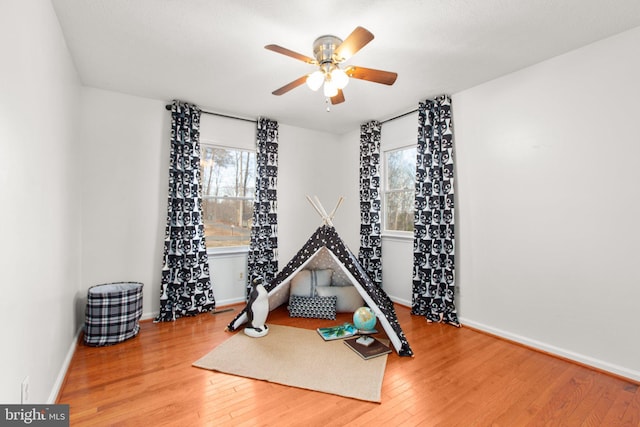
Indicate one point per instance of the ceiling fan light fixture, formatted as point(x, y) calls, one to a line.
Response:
point(329, 53)
point(315, 80)
point(339, 78)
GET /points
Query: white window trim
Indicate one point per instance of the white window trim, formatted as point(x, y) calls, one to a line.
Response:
point(392, 234)
point(398, 236)
point(227, 251)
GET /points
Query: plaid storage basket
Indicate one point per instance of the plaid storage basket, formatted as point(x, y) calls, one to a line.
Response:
point(112, 313)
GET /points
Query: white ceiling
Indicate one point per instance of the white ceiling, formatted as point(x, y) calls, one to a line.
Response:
point(211, 52)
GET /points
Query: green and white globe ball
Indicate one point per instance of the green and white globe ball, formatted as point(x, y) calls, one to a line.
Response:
point(364, 319)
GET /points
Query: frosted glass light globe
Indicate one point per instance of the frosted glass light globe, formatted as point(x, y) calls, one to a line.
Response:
point(339, 78)
point(315, 79)
point(330, 89)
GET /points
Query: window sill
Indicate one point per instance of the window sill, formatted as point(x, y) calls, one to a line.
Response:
point(397, 236)
point(227, 251)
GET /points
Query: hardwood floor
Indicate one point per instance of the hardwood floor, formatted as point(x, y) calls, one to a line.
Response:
point(458, 377)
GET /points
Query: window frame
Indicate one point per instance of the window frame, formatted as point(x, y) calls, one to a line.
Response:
point(396, 234)
point(224, 250)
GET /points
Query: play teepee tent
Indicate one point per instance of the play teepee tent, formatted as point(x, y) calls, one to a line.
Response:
point(325, 249)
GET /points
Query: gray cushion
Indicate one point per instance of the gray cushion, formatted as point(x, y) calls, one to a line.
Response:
point(304, 283)
point(349, 299)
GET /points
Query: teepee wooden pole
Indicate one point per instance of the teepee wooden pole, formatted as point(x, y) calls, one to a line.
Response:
point(325, 216)
point(333, 212)
point(315, 207)
point(324, 213)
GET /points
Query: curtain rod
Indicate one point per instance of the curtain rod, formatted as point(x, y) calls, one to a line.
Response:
point(168, 107)
point(397, 117)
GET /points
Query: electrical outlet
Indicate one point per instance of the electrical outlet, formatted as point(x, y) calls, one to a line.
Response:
point(24, 390)
point(241, 276)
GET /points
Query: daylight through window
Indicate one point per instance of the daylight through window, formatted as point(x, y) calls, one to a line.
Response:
point(228, 189)
point(399, 189)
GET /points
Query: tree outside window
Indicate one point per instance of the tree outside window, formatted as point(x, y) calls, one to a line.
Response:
point(399, 191)
point(228, 190)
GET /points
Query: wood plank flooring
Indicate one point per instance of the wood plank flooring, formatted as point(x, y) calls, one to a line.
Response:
point(458, 377)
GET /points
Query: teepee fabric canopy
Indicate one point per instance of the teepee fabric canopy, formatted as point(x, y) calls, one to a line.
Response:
point(325, 241)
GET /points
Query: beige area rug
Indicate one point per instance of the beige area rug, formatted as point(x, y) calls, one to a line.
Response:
point(299, 358)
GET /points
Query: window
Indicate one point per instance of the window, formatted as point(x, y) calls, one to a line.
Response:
point(399, 189)
point(228, 189)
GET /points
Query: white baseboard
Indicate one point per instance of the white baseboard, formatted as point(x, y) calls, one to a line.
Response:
point(53, 396)
point(55, 390)
point(219, 303)
point(400, 301)
point(230, 301)
point(57, 385)
point(147, 316)
point(576, 357)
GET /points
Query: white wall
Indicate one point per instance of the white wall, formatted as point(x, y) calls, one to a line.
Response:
point(40, 199)
point(315, 164)
point(397, 252)
point(347, 162)
point(307, 165)
point(547, 199)
point(125, 148)
point(126, 156)
point(548, 204)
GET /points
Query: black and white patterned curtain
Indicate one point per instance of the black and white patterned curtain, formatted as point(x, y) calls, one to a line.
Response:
point(263, 247)
point(370, 254)
point(186, 287)
point(434, 237)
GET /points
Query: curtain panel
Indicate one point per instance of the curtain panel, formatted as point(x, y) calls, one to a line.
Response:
point(434, 237)
point(186, 286)
point(263, 247)
point(370, 253)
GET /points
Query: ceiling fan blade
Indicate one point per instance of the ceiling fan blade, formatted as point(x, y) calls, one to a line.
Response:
point(288, 52)
point(294, 84)
point(339, 98)
point(353, 43)
point(369, 74)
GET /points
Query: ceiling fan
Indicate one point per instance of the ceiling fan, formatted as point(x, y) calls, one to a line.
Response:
point(330, 51)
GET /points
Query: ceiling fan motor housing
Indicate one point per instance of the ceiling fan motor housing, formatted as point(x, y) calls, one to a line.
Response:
point(323, 48)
